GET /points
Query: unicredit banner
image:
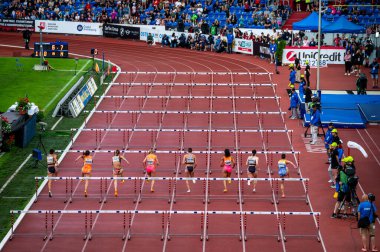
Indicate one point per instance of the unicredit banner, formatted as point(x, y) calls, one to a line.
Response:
point(78, 28)
point(329, 55)
point(243, 46)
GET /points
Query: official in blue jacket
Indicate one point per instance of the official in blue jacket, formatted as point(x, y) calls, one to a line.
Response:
point(367, 209)
point(315, 122)
point(294, 102)
point(272, 51)
point(328, 140)
point(292, 76)
point(230, 40)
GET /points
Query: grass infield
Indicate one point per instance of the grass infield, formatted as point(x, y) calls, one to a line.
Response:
point(41, 87)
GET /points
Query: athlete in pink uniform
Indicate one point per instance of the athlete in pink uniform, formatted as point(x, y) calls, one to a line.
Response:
point(228, 163)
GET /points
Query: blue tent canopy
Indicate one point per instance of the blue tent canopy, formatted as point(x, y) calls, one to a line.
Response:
point(309, 23)
point(342, 25)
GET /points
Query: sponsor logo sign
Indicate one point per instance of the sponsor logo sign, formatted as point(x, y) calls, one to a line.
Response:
point(243, 46)
point(70, 27)
point(327, 56)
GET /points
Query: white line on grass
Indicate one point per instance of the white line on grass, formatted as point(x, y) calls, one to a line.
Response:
point(55, 124)
point(15, 173)
point(62, 89)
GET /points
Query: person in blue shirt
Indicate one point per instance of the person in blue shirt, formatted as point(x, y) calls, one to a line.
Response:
point(315, 122)
point(294, 101)
point(368, 209)
point(328, 140)
point(292, 76)
point(272, 51)
point(374, 73)
point(230, 40)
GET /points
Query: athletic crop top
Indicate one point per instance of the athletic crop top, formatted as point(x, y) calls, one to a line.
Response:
point(116, 159)
point(190, 159)
point(50, 160)
point(227, 161)
point(87, 160)
point(252, 161)
point(150, 159)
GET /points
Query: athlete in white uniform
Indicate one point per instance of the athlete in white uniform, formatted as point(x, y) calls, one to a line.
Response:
point(252, 163)
point(190, 162)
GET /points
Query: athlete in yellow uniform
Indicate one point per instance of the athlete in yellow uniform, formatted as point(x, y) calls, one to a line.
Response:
point(283, 171)
point(86, 168)
point(117, 169)
point(228, 163)
point(150, 162)
point(52, 163)
point(190, 163)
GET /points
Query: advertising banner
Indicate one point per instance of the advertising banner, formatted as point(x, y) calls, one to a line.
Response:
point(243, 46)
point(83, 97)
point(17, 24)
point(110, 30)
point(329, 55)
point(121, 31)
point(78, 28)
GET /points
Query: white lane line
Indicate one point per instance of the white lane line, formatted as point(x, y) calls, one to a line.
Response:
point(15, 173)
point(373, 141)
point(64, 87)
point(55, 124)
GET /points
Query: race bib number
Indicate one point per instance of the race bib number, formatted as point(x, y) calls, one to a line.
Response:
point(150, 161)
point(50, 160)
point(88, 161)
point(251, 161)
point(190, 160)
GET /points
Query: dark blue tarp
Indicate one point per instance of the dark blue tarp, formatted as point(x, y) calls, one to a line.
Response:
point(342, 25)
point(309, 23)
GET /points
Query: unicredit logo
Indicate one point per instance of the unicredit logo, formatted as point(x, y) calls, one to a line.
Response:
point(290, 56)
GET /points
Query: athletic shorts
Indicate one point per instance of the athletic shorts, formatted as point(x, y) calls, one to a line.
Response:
point(117, 172)
point(227, 168)
point(251, 169)
point(342, 194)
point(190, 168)
point(374, 76)
point(52, 170)
point(371, 229)
point(150, 168)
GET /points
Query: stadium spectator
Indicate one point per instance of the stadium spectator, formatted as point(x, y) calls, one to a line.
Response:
point(173, 41)
point(149, 39)
point(312, 42)
point(165, 41)
point(272, 50)
point(230, 40)
point(347, 63)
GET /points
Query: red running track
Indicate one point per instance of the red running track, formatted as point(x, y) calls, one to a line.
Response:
point(133, 56)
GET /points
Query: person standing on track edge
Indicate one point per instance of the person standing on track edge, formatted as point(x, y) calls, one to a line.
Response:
point(297, 65)
point(150, 162)
point(315, 123)
point(283, 171)
point(228, 163)
point(334, 162)
point(328, 140)
point(307, 73)
point(252, 163)
point(294, 101)
point(374, 73)
point(52, 163)
point(190, 163)
point(86, 168)
point(230, 40)
point(116, 167)
point(367, 218)
point(26, 34)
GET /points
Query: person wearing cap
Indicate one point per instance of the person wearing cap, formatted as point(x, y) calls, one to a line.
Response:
point(328, 140)
point(368, 209)
point(343, 191)
point(302, 85)
point(307, 73)
point(349, 166)
point(374, 73)
point(334, 163)
point(308, 95)
point(335, 137)
point(292, 76)
point(315, 123)
point(294, 101)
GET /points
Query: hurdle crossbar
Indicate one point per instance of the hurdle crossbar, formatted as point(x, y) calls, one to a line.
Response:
point(179, 152)
point(186, 130)
point(185, 97)
point(189, 84)
point(163, 212)
point(197, 73)
point(186, 112)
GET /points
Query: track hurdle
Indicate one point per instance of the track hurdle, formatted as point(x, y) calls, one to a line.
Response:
point(138, 194)
point(127, 225)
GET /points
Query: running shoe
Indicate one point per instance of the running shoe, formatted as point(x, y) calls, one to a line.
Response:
point(333, 216)
point(330, 181)
point(123, 181)
point(283, 196)
point(85, 194)
point(50, 194)
point(254, 190)
point(116, 193)
point(151, 190)
point(225, 190)
point(188, 191)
